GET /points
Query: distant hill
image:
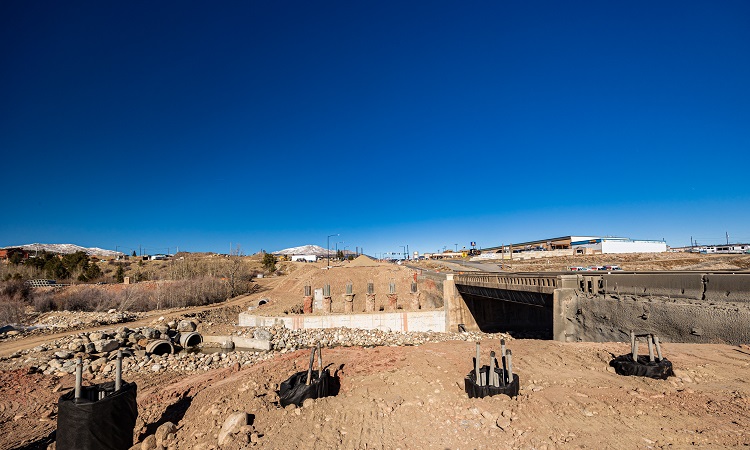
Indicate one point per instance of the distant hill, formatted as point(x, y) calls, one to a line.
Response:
point(305, 250)
point(66, 248)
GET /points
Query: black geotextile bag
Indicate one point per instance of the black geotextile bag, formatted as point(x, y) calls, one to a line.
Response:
point(92, 424)
point(624, 365)
point(475, 391)
point(295, 391)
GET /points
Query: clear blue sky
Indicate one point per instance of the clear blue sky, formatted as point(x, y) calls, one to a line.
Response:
point(274, 124)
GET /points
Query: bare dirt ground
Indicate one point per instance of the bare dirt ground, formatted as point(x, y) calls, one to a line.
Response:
point(413, 397)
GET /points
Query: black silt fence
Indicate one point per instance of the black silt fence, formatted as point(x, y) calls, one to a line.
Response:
point(91, 423)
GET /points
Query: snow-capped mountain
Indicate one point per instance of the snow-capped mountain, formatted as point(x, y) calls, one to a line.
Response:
point(304, 250)
point(66, 248)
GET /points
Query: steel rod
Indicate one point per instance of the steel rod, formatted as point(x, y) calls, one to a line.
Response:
point(510, 366)
point(79, 377)
point(493, 375)
point(477, 365)
point(658, 348)
point(320, 362)
point(650, 348)
point(310, 367)
point(118, 371)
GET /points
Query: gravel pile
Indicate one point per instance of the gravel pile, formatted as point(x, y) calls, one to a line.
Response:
point(283, 339)
point(76, 319)
point(98, 350)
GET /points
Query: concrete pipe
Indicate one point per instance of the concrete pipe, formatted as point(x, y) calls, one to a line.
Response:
point(160, 347)
point(190, 339)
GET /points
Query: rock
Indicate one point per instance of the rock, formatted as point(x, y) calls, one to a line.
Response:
point(149, 443)
point(63, 355)
point(308, 403)
point(150, 333)
point(156, 367)
point(161, 433)
point(186, 326)
point(106, 345)
point(96, 336)
point(232, 424)
point(503, 423)
point(262, 334)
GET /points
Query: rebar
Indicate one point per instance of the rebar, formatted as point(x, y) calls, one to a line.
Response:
point(79, 377)
point(310, 367)
point(658, 348)
point(650, 348)
point(118, 371)
point(509, 356)
point(493, 374)
point(477, 365)
point(320, 362)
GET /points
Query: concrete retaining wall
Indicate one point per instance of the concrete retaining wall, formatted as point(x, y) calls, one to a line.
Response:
point(392, 321)
point(584, 318)
point(727, 287)
point(688, 285)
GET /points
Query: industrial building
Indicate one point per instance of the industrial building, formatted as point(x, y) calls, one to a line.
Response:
point(574, 245)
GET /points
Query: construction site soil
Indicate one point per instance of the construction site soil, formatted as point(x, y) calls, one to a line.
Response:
point(413, 396)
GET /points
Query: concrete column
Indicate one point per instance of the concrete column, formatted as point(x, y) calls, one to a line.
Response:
point(327, 301)
point(456, 310)
point(564, 309)
point(370, 303)
point(348, 303)
point(392, 302)
point(307, 307)
point(414, 301)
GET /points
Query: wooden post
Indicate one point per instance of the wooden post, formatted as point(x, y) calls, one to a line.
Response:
point(633, 346)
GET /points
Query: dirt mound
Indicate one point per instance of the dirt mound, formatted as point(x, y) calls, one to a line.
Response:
point(363, 261)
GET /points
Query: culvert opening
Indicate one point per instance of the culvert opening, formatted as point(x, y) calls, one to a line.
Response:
point(161, 348)
point(193, 340)
point(520, 320)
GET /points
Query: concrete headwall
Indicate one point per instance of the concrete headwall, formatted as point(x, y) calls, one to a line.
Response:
point(392, 321)
point(581, 317)
point(682, 285)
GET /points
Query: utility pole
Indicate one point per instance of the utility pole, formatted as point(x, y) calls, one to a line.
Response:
point(727, 233)
point(407, 252)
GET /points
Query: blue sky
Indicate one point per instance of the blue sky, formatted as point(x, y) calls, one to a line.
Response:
point(428, 124)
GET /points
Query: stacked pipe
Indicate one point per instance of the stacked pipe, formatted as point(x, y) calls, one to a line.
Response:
point(495, 378)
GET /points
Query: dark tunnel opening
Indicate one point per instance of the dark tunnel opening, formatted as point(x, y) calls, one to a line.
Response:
point(520, 320)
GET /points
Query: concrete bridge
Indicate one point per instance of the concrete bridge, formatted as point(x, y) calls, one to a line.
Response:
point(603, 306)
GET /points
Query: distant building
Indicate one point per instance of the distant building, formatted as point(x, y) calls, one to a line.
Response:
point(304, 258)
point(573, 245)
point(715, 249)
